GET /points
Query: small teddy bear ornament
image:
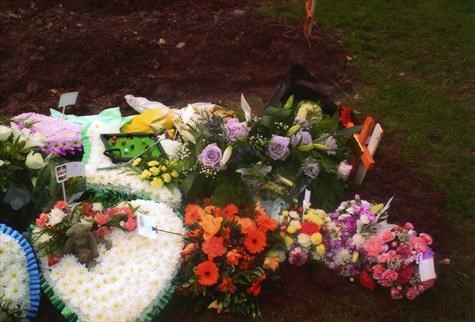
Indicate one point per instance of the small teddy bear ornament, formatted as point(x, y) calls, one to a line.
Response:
point(81, 243)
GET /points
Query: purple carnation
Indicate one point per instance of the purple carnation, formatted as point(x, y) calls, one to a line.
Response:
point(235, 129)
point(298, 256)
point(301, 138)
point(311, 168)
point(211, 155)
point(278, 148)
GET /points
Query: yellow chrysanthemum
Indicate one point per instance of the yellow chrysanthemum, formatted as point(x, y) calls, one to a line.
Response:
point(291, 229)
point(145, 174)
point(320, 249)
point(316, 238)
point(136, 162)
point(167, 177)
point(163, 168)
point(154, 170)
point(288, 241)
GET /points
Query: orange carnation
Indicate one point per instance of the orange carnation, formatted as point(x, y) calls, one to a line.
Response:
point(214, 247)
point(188, 249)
point(193, 213)
point(208, 273)
point(271, 263)
point(213, 210)
point(255, 241)
point(227, 285)
point(230, 211)
point(266, 223)
point(211, 225)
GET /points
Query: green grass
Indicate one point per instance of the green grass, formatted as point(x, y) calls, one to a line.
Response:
point(415, 67)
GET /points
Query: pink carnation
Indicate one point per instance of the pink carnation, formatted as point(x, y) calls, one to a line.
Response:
point(130, 224)
point(409, 226)
point(412, 292)
point(396, 293)
point(419, 244)
point(377, 271)
point(388, 277)
point(102, 218)
point(404, 250)
point(387, 257)
point(374, 246)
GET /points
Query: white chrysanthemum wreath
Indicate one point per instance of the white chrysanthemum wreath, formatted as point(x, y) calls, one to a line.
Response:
point(128, 280)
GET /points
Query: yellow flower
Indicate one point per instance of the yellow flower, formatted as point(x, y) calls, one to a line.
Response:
point(136, 162)
point(288, 241)
point(291, 229)
point(316, 238)
point(285, 213)
point(320, 249)
point(296, 224)
point(157, 182)
point(167, 177)
point(155, 171)
point(163, 168)
point(355, 256)
point(175, 174)
point(145, 174)
point(153, 163)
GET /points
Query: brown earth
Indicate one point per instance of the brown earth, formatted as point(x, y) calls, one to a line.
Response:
point(107, 49)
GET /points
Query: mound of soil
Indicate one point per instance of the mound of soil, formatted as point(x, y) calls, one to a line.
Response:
point(172, 51)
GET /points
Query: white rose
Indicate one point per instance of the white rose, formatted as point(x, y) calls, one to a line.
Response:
point(34, 161)
point(5, 132)
point(304, 240)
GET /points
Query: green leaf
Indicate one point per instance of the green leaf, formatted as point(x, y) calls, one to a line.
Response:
point(349, 131)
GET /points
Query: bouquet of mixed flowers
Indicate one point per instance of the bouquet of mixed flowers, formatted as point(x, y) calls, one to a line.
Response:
point(62, 137)
point(75, 229)
point(228, 255)
point(400, 259)
point(303, 235)
point(352, 223)
point(288, 148)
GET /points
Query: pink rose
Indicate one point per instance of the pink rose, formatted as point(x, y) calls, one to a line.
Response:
point(61, 204)
point(102, 218)
point(404, 250)
point(130, 224)
point(408, 225)
point(419, 244)
point(374, 246)
point(41, 221)
point(387, 257)
point(388, 236)
point(396, 293)
point(377, 271)
point(388, 277)
point(426, 237)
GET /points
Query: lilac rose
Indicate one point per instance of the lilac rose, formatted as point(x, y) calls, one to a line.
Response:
point(210, 156)
point(278, 148)
point(301, 138)
point(235, 129)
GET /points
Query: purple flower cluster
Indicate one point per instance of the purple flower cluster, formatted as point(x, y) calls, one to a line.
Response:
point(345, 244)
point(62, 137)
point(301, 138)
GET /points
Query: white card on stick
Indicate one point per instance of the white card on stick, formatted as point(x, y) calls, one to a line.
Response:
point(67, 99)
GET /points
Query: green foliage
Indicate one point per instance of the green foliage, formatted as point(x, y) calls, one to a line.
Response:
point(230, 187)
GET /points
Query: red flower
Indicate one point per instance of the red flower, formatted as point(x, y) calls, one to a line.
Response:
point(255, 288)
point(227, 285)
point(87, 209)
point(255, 241)
point(208, 273)
point(345, 117)
point(130, 224)
point(367, 281)
point(230, 211)
point(41, 221)
point(53, 259)
point(309, 228)
point(102, 231)
point(214, 247)
point(188, 249)
point(405, 274)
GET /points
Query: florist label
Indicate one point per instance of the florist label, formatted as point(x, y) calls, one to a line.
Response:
point(70, 170)
point(426, 266)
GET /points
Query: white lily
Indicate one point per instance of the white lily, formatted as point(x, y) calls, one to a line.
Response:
point(34, 160)
point(226, 155)
point(2, 162)
point(5, 132)
point(34, 140)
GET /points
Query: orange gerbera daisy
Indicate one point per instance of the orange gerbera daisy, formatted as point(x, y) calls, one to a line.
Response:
point(193, 213)
point(214, 247)
point(208, 273)
point(255, 241)
point(266, 223)
point(230, 211)
point(213, 210)
point(211, 225)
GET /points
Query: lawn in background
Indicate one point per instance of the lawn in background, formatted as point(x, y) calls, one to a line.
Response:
point(415, 69)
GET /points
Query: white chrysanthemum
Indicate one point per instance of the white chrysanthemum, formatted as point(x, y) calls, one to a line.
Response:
point(96, 207)
point(304, 240)
point(342, 257)
point(135, 268)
